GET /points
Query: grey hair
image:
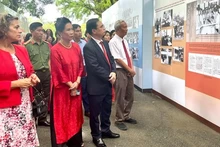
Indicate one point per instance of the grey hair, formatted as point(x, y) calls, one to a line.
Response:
point(118, 24)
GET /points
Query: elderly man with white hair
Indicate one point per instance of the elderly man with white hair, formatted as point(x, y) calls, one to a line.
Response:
point(125, 72)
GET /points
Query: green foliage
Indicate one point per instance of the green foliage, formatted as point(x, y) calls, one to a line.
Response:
point(34, 7)
point(80, 8)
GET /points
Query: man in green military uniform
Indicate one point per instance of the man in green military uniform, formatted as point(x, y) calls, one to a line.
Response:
point(39, 53)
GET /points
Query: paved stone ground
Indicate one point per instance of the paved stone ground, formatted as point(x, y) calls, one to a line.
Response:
point(160, 124)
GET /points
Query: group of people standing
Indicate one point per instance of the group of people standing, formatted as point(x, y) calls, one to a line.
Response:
point(69, 70)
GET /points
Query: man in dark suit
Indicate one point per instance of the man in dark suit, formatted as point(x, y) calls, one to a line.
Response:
point(101, 76)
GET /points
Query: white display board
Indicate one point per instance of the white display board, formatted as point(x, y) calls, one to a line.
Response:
point(131, 12)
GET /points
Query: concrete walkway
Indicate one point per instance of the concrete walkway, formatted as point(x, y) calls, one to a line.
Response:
point(160, 124)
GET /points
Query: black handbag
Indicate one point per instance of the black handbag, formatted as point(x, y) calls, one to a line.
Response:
point(39, 105)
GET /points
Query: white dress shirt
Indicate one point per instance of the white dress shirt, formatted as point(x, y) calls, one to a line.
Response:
point(98, 42)
point(117, 49)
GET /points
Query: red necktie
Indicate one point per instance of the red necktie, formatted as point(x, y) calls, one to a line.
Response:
point(126, 53)
point(105, 53)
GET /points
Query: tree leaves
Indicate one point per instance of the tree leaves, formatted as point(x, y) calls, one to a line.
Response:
point(34, 7)
point(80, 8)
point(70, 8)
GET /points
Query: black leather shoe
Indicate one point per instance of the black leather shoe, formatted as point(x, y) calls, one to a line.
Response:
point(44, 123)
point(110, 134)
point(99, 142)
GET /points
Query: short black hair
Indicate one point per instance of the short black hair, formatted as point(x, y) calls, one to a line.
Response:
point(85, 33)
point(107, 32)
point(75, 26)
point(27, 37)
point(111, 33)
point(35, 25)
point(61, 23)
point(91, 24)
point(44, 31)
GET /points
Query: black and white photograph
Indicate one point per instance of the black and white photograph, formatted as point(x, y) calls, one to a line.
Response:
point(178, 26)
point(157, 48)
point(178, 54)
point(208, 17)
point(134, 53)
point(157, 27)
point(129, 38)
point(166, 37)
point(135, 37)
point(135, 21)
point(166, 56)
point(167, 18)
point(132, 38)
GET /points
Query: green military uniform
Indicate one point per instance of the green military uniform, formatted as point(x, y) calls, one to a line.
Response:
point(39, 54)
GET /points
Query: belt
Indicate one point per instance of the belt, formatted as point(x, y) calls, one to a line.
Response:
point(120, 69)
point(42, 70)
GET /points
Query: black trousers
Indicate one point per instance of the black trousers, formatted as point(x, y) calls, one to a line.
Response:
point(75, 141)
point(85, 94)
point(44, 85)
point(100, 105)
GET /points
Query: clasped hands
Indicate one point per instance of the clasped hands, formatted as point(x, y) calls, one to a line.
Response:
point(32, 80)
point(112, 77)
point(73, 88)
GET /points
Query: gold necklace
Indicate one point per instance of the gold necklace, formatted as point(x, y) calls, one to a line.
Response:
point(68, 47)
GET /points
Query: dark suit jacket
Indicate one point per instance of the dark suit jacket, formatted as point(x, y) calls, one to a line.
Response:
point(98, 69)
